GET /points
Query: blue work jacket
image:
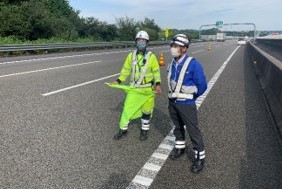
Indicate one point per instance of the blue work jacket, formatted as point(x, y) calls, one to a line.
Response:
point(194, 76)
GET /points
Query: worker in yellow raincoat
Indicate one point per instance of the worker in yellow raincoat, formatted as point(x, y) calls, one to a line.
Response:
point(143, 68)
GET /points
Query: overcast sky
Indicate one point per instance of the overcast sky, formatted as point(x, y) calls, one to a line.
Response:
point(187, 14)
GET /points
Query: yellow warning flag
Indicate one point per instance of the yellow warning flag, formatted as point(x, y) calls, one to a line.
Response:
point(135, 99)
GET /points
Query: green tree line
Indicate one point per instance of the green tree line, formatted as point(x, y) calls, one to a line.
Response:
point(35, 20)
point(57, 21)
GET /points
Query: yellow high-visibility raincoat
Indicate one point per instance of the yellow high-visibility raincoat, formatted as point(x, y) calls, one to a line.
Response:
point(144, 73)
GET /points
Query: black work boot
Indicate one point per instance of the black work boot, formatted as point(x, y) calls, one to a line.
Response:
point(197, 165)
point(143, 135)
point(121, 133)
point(176, 153)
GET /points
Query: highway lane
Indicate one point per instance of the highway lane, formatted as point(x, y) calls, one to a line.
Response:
point(65, 140)
point(242, 146)
point(47, 125)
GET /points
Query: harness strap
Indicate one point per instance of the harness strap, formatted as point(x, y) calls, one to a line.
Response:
point(143, 73)
point(176, 93)
point(133, 63)
point(182, 74)
point(142, 76)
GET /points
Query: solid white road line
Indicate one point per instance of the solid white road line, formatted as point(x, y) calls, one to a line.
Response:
point(143, 180)
point(146, 182)
point(159, 156)
point(151, 167)
point(79, 85)
point(166, 146)
point(47, 69)
point(170, 138)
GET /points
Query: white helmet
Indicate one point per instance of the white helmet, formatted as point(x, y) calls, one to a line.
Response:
point(181, 40)
point(142, 35)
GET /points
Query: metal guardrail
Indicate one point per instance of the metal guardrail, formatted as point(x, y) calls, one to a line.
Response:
point(11, 48)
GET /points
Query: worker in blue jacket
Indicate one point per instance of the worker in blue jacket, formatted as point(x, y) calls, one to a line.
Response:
point(186, 82)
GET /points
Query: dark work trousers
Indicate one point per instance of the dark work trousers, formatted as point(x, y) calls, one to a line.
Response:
point(186, 114)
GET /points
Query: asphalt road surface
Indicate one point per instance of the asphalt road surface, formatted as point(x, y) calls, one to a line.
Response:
point(58, 118)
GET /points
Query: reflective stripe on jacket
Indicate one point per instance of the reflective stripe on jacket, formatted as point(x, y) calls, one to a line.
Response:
point(144, 70)
point(193, 83)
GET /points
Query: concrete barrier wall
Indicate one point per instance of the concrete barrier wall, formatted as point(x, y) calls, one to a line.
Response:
point(271, 42)
point(269, 72)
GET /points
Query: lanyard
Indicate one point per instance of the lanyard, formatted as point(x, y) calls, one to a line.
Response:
point(138, 61)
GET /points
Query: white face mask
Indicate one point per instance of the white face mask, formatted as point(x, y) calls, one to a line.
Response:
point(175, 52)
point(141, 45)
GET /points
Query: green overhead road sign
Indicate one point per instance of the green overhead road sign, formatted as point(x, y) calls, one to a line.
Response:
point(227, 24)
point(218, 23)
